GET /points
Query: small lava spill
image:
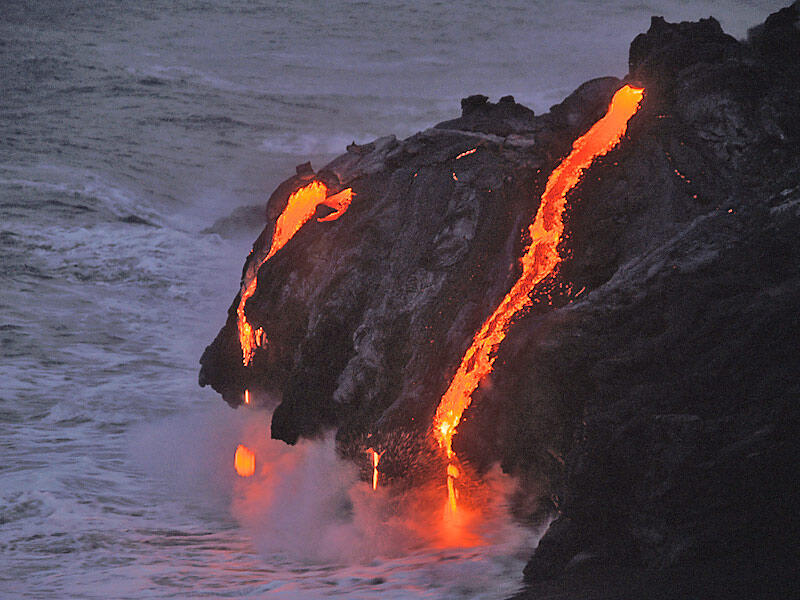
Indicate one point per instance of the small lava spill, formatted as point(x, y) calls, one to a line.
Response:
point(300, 208)
point(375, 457)
point(541, 257)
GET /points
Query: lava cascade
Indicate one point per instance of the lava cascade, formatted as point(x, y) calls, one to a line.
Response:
point(375, 457)
point(539, 260)
point(300, 208)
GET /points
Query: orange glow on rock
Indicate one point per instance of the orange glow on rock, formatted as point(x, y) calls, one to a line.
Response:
point(247, 396)
point(300, 208)
point(244, 461)
point(539, 260)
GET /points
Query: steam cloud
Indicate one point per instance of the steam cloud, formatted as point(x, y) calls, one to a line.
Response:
point(304, 503)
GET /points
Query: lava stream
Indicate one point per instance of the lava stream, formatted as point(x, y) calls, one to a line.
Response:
point(539, 260)
point(300, 207)
point(376, 457)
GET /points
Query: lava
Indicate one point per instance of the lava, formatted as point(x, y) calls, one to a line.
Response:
point(452, 494)
point(300, 208)
point(539, 260)
point(376, 457)
point(244, 461)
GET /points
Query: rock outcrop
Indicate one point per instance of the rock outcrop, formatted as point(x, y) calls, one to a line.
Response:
point(650, 394)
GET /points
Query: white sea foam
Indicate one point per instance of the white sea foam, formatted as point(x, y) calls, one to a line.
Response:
point(71, 185)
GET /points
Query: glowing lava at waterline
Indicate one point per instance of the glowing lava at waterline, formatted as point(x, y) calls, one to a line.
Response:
point(244, 461)
point(300, 208)
point(539, 260)
point(376, 457)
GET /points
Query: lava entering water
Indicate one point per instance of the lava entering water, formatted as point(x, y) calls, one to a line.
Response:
point(244, 461)
point(300, 208)
point(539, 260)
point(376, 457)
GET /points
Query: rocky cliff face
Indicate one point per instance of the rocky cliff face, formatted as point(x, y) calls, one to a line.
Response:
point(650, 394)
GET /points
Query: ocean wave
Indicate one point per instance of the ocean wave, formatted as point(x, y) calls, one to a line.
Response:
point(159, 74)
point(18, 506)
point(76, 190)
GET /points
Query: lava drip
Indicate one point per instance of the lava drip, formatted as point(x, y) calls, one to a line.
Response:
point(244, 461)
point(540, 259)
point(375, 457)
point(300, 208)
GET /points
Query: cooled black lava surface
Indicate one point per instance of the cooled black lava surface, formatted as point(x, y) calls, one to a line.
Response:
point(649, 397)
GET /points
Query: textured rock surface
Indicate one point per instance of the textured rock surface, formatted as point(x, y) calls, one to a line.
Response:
point(649, 397)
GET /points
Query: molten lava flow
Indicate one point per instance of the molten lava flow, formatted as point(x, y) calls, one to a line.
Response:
point(376, 457)
point(452, 495)
point(540, 259)
point(300, 207)
point(339, 203)
point(247, 396)
point(244, 461)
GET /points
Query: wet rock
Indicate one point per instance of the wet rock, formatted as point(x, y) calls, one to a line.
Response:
point(559, 546)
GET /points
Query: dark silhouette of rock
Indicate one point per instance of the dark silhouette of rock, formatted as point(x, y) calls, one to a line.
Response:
point(668, 48)
point(778, 38)
point(502, 119)
point(244, 219)
point(649, 396)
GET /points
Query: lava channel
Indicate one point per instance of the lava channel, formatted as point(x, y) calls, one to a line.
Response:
point(300, 208)
point(541, 257)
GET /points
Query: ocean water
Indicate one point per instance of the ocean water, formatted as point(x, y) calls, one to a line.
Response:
point(127, 129)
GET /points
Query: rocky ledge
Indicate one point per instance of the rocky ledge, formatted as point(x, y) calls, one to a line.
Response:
point(648, 399)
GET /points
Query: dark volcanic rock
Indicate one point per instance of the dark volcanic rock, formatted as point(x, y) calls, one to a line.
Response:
point(668, 48)
point(649, 396)
point(503, 119)
point(244, 219)
point(778, 38)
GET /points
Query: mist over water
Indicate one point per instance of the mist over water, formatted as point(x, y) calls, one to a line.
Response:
point(127, 130)
point(319, 529)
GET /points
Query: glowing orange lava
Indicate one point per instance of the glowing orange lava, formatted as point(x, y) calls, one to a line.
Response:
point(376, 457)
point(247, 396)
point(452, 494)
point(539, 260)
point(300, 207)
point(244, 461)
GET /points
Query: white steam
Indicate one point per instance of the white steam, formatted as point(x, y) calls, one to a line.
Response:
point(308, 508)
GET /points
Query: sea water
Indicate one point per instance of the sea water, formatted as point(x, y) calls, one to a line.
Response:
point(127, 129)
